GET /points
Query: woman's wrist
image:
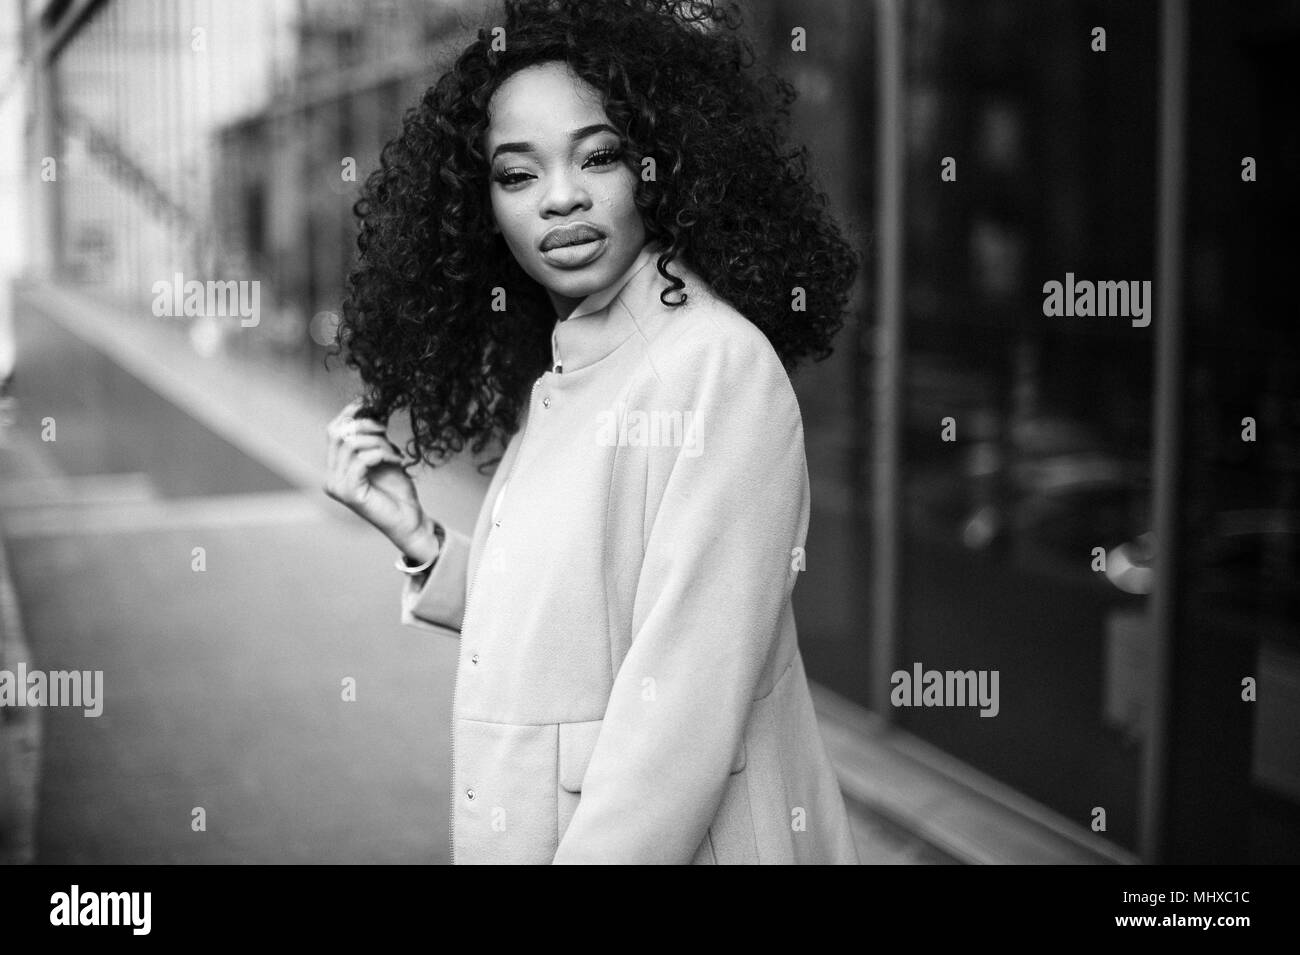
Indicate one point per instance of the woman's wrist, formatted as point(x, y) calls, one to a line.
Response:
point(422, 545)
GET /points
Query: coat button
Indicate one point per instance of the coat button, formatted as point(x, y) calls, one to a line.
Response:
point(496, 523)
point(546, 402)
point(474, 658)
point(469, 794)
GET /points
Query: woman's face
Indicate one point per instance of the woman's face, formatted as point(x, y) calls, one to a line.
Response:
point(562, 195)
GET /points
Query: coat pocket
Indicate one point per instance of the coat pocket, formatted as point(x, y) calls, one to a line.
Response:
point(576, 743)
point(739, 761)
point(578, 740)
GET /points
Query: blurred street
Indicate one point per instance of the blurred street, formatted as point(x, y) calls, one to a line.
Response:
point(223, 687)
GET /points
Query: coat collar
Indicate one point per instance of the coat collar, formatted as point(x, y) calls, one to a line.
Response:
point(607, 318)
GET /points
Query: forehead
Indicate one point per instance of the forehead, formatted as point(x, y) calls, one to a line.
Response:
point(541, 103)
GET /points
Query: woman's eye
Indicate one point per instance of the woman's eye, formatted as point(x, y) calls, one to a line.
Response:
point(602, 157)
point(516, 176)
point(511, 177)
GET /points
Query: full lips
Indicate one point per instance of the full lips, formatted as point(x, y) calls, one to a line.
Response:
point(577, 255)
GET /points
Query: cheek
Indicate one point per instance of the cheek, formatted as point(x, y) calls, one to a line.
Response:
point(511, 218)
point(619, 199)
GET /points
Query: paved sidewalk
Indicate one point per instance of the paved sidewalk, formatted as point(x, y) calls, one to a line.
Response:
point(220, 693)
point(224, 686)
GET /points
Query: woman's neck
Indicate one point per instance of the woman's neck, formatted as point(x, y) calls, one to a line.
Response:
point(563, 305)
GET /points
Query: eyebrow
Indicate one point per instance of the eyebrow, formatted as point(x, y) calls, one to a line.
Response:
point(578, 134)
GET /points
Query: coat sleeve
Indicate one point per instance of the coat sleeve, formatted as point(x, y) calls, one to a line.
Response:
point(436, 600)
point(714, 581)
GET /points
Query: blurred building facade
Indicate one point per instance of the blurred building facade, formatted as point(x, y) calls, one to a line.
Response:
point(290, 169)
point(974, 498)
point(969, 455)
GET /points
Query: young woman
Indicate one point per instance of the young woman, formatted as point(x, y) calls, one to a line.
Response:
point(589, 243)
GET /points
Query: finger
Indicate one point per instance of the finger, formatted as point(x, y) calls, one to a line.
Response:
point(363, 461)
point(333, 431)
point(340, 429)
point(349, 410)
point(363, 442)
point(367, 426)
point(344, 452)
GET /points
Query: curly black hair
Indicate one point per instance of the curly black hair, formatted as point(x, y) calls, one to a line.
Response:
point(731, 197)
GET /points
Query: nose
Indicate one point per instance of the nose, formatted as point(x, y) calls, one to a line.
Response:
point(564, 196)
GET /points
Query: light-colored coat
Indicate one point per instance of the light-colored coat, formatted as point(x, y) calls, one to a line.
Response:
point(629, 686)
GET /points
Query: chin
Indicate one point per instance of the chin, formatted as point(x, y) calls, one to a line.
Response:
point(577, 283)
point(579, 287)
